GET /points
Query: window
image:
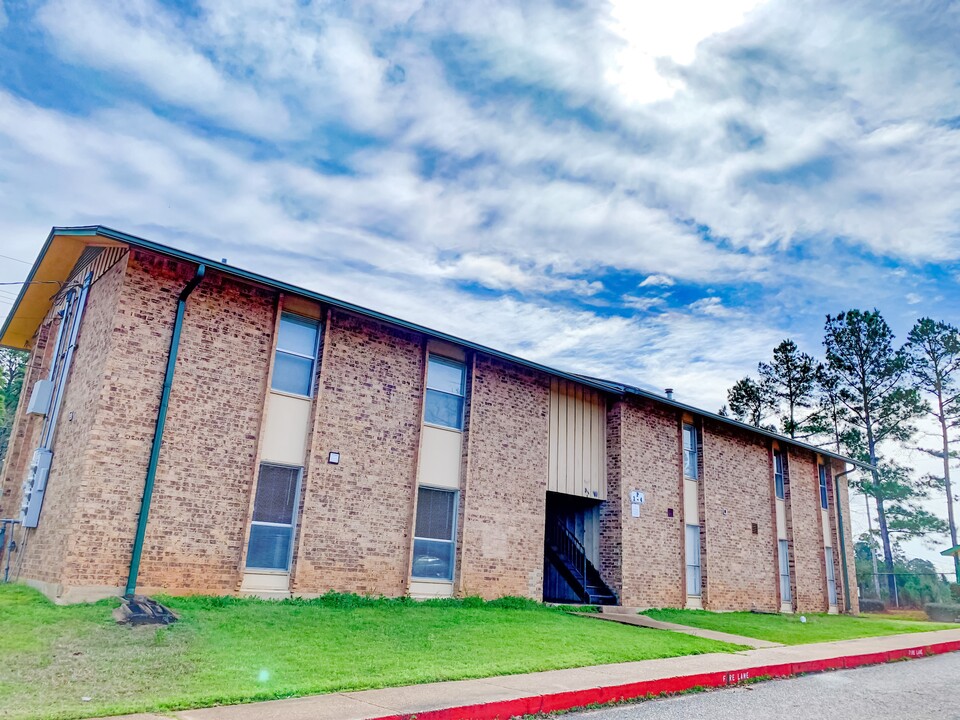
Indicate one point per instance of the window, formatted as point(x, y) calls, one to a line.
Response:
point(831, 577)
point(778, 472)
point(296, 355)
point(823, 486)
point(690, 451)
point(784, 552)
point(433, 534)
point(271, 531)
point(445, 389)
point(693, 560)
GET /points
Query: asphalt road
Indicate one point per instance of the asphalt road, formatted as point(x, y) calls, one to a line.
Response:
point(910, 690)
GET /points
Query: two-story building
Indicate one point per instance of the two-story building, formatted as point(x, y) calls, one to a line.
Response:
point(189, 427)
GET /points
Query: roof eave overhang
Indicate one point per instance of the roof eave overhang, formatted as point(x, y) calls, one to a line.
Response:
point(612, 388)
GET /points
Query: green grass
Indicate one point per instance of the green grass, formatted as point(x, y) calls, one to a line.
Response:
point(789, 630)
point(228, 650)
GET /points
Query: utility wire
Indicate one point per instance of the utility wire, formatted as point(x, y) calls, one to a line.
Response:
point(16, 259)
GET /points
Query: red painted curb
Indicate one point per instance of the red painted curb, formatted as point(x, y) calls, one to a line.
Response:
point(504, 709)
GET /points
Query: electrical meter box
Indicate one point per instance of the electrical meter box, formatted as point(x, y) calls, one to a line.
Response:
point(34, 487)
point(40, 397)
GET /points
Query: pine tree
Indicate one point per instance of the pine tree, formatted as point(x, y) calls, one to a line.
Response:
point(791, 381)
point(934, 351)
point(872, 386)
point(750, 401)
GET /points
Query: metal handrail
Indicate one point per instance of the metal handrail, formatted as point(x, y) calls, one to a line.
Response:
point(571, 548)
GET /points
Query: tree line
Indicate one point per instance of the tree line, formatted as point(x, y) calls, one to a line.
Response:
point(12, 365)
point(864, 399)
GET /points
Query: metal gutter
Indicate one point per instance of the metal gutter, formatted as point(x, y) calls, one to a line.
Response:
point(843, 547)
point(596, 383)
point(158, 432)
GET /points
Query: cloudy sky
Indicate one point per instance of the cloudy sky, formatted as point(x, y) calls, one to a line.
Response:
point(652, 192)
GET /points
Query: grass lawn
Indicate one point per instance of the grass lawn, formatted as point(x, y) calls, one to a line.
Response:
point(788, 629)
point(227, 650)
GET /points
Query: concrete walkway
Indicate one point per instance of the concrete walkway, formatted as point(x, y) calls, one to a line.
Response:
point(504, 697)
point(633, 618)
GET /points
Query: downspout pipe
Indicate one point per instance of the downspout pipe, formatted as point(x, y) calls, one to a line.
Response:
point(843, 549)
point(158, 432)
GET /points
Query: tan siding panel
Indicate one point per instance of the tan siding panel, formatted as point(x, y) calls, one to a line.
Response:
point(553, 424)
point(577, 441)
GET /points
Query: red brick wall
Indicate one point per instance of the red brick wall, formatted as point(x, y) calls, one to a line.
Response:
point(738, 491)
point(202, 490)
point(838, 467)
point(47, 553)
point(504, 507)
point(652, 549)
point(355, 532)
point(612, 509)
point(809, 578)
point(25, 433)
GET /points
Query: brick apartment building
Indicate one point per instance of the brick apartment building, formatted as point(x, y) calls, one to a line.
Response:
point(189, 427)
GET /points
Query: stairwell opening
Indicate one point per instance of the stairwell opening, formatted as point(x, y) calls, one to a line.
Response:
point(571, 554)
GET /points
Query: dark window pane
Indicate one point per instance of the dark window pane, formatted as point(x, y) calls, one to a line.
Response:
point(435, 514)
point(432, 559)
point(297, 335)
point(445, 375)
point(292, 374)
point(269, 547)
point(276, 494)
point(443, 409)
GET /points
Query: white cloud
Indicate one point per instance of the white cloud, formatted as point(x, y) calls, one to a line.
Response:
point(141, 41)
point(711, 306)
point(652, 32)
point(657, 281)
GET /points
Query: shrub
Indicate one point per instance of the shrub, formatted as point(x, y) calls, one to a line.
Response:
point(955, 592)
point(943, 612)
point(870, 605)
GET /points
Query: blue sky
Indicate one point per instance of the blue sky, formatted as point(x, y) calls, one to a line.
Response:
point(653, 194)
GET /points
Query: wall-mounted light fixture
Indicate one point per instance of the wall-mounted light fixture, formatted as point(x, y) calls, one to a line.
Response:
point(333, 458)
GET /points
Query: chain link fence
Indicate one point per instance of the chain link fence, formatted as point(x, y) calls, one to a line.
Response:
point(912, 590)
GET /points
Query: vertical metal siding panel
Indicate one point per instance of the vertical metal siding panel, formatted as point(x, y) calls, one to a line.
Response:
point(553, 480)
point(578, 441)
point(589, 476)
point(563, 445)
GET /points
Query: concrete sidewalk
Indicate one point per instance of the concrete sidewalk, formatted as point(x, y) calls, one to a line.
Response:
point(633, 618)
point(513, 695)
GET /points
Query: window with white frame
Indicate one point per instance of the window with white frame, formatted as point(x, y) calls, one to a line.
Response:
point(778, 473)
point(446, 380)
point(433, 534)
point(692, 542)
point(274, 508)
point(823, 485)
point(784, 552)
point(296, 355)
point(691, 452)
point(831, 576)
